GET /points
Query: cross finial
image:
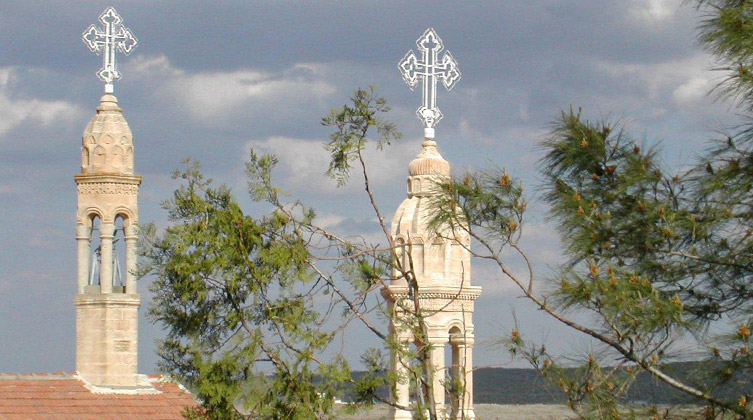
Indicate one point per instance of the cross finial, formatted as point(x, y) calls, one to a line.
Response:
point(113, 38)
point(429, 69)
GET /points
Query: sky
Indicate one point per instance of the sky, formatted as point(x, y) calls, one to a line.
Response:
point(210, 80)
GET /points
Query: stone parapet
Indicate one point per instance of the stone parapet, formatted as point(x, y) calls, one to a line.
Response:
point(104, 178)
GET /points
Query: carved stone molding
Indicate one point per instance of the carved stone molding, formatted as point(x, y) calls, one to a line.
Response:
point(446, 305)
point(438, 296)
point(445, 302)
point(108, 188)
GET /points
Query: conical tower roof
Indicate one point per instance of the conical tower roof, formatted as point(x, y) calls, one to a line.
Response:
point(107, 142)
point(429, 161)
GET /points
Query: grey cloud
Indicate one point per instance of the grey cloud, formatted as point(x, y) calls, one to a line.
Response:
point(522, 63)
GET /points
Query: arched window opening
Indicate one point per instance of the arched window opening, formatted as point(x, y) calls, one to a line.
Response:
point(119, 255)
point(96, 252)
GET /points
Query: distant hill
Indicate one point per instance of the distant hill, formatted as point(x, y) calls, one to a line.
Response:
point(526, 386)
point(513, 386)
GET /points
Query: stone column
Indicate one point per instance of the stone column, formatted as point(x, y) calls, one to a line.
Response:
point(105, 267)
point(399, 364)
point(465, 367)
point(131, 239)
point(437, 371)
point(457, 371)
point(83, 240)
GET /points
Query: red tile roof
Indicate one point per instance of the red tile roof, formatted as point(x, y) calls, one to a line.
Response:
point(63, 396)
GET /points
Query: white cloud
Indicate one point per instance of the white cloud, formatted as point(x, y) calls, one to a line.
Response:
point(493, 281)
point(303, 163)
point(511, 137)
point(692, 91)
point(358, 229)
point(544, 239)
point(684, 82)
point(216, 97)
point(329, 220)
point(16, 111)
point(523, 112)
point(654, 11)
point(145, 66)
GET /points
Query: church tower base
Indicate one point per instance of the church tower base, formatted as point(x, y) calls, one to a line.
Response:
point(106, 342)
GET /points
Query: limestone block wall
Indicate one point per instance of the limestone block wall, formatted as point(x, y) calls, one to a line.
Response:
point(107, 338)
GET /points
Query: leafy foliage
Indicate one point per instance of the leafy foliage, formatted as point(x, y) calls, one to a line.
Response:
point(225, 281)
point(725, 32)
point(351, 123)
point(250, 304)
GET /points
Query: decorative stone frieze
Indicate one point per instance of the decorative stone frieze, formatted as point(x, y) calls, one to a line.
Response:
point(108, 188)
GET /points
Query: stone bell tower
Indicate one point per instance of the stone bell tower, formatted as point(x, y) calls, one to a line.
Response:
point(441, 263)
point(439, 259)
point(107, 313)
point(107, 302)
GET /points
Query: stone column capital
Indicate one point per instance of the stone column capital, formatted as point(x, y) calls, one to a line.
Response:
point(463, 341)
point(107, 230)
point(437, 340)
point(131, 232)
point(463, 337)
point(83, 232)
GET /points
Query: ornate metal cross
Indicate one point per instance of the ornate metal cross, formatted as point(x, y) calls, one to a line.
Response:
point(115, 37)
point(430, 69)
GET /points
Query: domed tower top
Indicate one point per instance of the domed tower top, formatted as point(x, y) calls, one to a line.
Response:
point(426, 169)
point(107, 143)
point(429, 161)
point(411, 225)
